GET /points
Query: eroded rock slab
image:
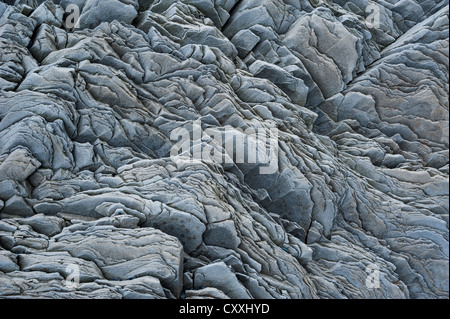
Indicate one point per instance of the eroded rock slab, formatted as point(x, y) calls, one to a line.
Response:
point(94, 204)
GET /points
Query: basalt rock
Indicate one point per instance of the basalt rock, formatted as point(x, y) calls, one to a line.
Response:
point(344, 194)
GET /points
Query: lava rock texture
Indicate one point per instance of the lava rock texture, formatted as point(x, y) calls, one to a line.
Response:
point(93, 205)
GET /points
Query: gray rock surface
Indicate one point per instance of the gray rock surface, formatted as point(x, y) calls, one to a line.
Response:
point(93, 205)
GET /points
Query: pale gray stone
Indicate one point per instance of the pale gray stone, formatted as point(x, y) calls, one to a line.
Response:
point(124, 254)
point(245, 41)
point(17, 205)
point(95, 12)
point(8, 261)
point(219, 276)
point(47, 225)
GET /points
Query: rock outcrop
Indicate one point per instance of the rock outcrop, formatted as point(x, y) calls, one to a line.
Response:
point(354, 203)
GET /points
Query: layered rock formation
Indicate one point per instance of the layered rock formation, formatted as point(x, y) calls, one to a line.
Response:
point(89, 189)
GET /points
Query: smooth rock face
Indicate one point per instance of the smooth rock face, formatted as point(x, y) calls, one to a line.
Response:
point(94, 203)
point(220, 276)
point(96, 11)
point(124, 254)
